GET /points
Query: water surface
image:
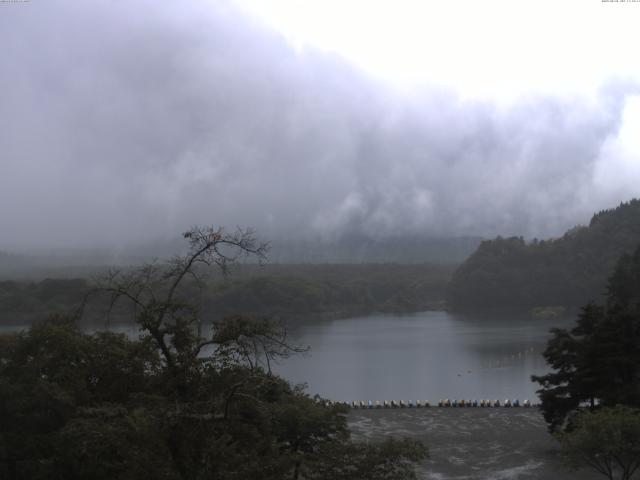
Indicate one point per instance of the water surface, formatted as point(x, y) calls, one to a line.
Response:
point(427, 356)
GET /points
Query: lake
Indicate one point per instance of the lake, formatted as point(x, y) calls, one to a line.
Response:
point(421, 356)
point(426, 356)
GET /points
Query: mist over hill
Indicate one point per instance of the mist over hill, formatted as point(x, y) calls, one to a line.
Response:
point(571, 270)
point(86, 263)
point(171, 114)
point(362, 249)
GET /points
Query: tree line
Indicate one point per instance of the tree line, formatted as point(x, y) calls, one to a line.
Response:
point(287, 291)
point(569, 271)
point(182, 401)
point(591, 398)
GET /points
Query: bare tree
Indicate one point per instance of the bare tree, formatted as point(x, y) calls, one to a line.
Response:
point(156, 292)
point(254, 342)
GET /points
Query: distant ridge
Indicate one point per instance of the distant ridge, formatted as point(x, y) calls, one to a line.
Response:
point(410, 249)
point(570, 271)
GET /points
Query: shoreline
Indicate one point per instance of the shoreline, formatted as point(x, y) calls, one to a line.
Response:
point(472, 443)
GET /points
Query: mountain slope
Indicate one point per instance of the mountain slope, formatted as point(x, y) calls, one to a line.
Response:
point(571, 270)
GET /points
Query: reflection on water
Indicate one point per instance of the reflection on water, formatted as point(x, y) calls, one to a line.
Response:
point(426, 356)
point(422, 356)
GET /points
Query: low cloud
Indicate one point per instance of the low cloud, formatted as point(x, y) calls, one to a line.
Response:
point(128, 122)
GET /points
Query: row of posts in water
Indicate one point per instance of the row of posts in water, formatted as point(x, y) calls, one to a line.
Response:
point(510, 360)
point(442, 403)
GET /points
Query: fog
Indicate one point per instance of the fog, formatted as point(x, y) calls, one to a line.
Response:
point(127, 122)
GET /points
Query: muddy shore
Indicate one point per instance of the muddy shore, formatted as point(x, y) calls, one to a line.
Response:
point(473, 443)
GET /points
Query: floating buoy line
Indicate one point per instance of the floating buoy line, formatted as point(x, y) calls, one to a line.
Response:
point(446, 403)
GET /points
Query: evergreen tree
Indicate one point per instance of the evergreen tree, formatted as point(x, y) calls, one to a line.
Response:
point(597, 363)
point(570, 271)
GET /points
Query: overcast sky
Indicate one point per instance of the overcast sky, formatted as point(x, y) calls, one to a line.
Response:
point(129, 121)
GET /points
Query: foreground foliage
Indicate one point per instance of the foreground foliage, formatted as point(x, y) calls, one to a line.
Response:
point(178, 403)
point(597, 363)
point(607, 441)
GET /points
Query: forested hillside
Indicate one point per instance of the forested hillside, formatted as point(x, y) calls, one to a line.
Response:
point(271, 290)
point(570, 271)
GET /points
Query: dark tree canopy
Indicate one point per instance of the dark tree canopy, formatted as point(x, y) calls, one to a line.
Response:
point(283, 291)
point(597, 363)
point(606, 440)
point(177, 403)
point(571, 270)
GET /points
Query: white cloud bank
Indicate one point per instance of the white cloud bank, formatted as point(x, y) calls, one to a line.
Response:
point(129, 121)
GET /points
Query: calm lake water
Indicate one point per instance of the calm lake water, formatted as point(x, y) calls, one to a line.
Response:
point(426, 356)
